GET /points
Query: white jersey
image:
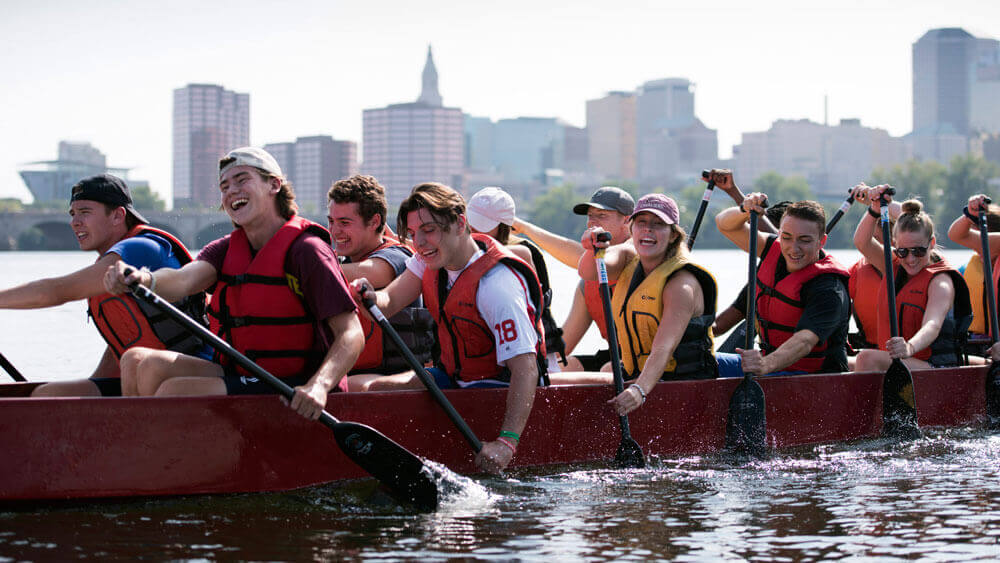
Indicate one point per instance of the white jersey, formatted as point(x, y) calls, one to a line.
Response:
point(502, 300)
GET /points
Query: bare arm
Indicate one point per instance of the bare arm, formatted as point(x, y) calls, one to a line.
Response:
point(349, 340)
point(794, 349)
point(865, 242)
point(727, 320)
point(724, 181)
point(577, 321)
point(171, 284)
point(495, 456)
point(561, 248)
point(965, 232)
point(615, 257)
point(49, 292)
point(401, 292)
point(376, 270)
point(523, 253)
point(734, 225)
point(685, 297)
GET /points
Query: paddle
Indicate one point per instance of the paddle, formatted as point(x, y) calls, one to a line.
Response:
point(425, 377)
point(840, 212)
point(992, 379)
point(746, 425)
point(701, 209)
point(9, 368)
point(899, 407)
point(629, 453)
point(406, 476)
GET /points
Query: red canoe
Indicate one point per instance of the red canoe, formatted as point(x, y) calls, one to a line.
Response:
point(116, 447)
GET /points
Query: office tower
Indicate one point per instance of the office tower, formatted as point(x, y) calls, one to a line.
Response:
point(479, 133)
point(984, 106)
point(943, 60)
point(525, 147)
point(612, 135)
point(672, 144)
point(209, 121)
point(312, 165)
point(411, 143)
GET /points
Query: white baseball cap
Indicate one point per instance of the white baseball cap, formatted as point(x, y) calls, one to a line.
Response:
point(250, 156)
point(488, 208)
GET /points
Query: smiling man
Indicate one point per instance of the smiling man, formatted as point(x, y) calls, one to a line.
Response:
point(802, 302)
point(486, 302)
point(278, 297)
point(103, 219)
point(356, 217)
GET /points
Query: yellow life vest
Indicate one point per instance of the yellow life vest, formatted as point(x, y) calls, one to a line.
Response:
point(974, 279)
point(637, 305)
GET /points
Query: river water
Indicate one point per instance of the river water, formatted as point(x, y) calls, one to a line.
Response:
point(937, 498)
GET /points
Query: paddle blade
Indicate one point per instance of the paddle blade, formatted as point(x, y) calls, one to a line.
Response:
point(629, 455)
point(746, 427)
point(406, 476)
point(899, 405)
point(993, 396)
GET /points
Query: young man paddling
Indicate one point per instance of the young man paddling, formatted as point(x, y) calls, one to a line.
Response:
point(278, 297)
point(486, 303)
point(104, 220)
point(609, 208)
point(356, 217)
point(802, 304)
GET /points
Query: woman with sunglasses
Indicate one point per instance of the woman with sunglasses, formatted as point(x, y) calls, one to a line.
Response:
point(927, 288)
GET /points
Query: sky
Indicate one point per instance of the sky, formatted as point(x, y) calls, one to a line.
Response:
point(104, 71)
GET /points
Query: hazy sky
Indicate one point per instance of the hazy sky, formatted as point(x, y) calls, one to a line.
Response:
point(104, 71)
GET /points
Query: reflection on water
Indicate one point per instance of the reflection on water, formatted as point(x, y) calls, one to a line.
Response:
point(938, 497)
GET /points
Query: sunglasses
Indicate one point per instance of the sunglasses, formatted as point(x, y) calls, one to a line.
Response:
point(918, 251)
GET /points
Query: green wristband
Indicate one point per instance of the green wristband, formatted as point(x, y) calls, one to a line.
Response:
point(511, 435)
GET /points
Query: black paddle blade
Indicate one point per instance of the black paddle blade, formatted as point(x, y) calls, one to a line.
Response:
point(993, 396)
point(899, 406)
point(629, 454)
point(406, 476)
point(746, 426)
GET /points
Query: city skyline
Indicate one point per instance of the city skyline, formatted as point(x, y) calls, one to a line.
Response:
point(105, 74)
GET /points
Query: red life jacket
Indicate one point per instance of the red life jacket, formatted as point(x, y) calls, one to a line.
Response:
point(911, 302)
point(592, 297)
point(255, 308)
point(779, 305)
point(125, 322)
point(468, 350)
point(863, 287)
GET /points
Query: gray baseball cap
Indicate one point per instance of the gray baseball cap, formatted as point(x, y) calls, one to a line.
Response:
point(250, 156)
point(608, 197)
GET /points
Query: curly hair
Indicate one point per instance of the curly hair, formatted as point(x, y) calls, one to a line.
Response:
point(364, 191)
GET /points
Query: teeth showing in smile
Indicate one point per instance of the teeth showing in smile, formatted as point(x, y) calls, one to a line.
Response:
point(647, 242)
point(238, 203)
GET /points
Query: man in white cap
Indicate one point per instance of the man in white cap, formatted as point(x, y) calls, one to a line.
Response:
point(278, 296)
point(491, 211)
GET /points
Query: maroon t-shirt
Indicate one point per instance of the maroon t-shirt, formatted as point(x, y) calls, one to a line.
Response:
point(314, 263)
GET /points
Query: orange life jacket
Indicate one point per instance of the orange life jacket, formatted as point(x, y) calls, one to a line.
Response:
point(779, 304)
point(125, 322)
point(911, 302)
point(592, 297)
point(256, 308)
point(863, 287)
point(413, 325)
point(468, 350)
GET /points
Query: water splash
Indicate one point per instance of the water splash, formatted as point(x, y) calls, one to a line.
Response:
point(457, 494)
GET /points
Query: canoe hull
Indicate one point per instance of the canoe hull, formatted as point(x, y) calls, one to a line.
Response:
point(115, 447)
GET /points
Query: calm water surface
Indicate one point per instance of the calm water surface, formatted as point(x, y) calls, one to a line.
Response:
point(937, 498)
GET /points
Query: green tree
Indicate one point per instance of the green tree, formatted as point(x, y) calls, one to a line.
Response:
point(968, 175)
point(145, 199)
point(553, 211)
point(915, 179)
point(11, 205)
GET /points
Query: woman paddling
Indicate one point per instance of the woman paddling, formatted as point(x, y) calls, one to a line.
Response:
point(664, 305)
point(927, 287)
point(965, 231)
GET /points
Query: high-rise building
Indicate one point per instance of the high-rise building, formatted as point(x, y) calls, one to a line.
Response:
point(50, 181)
point(612, 135)
point(672, 145)
point(312, 165)
point(209, 121)
point(411, 143)
point(984, 109)
point(830, 158)
point(525, 147)
point(943, 62)
point(478, 143)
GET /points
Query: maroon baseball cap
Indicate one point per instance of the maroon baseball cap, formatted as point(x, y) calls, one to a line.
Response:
point(659, 205)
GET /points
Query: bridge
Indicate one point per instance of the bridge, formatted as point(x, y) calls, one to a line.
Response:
point(51, 230)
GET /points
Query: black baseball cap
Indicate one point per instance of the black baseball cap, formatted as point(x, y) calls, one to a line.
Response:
point(107, 189)
point(608, 197)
